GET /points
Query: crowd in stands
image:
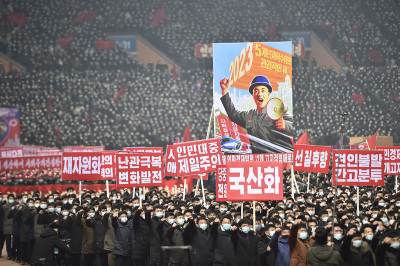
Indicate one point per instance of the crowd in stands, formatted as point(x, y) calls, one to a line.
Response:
point(126, 229)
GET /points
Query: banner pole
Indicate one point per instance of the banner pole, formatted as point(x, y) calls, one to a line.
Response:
point(254, 217)
point(134, 192)
point(140, 196)
point(358, 201)
point(396, 184)
point(80, 195)
point(108, 189)
point(184, 189)
point(241, 211)
point(292, 182)
point(202, 188)
point(308, 182)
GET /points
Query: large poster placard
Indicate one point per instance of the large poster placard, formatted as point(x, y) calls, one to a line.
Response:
point(391, 159)
point(254, 181)
point(311, 158)
point(28, 163)
point(81, 166)
point(9, 127)
point(253, 97)
point(358, 168)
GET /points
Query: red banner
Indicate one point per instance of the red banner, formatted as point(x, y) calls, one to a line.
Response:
point(11, 152)
point(141, 169)
point(359, 168)
point(197, 157)
point(87, 16)
point(172, 187)
point(108, 164)
point(104, 45)
point(30, 150)
point(170, 162)
point(254, 181)
point(26, 163)
point(81, 166)
point(391, 159)
point(203, 50)
point(285, 158)
point(144, 149)
point(221, 182)
point(17, 18)
point(310, 158)
point(158, 17)
point(64, 42)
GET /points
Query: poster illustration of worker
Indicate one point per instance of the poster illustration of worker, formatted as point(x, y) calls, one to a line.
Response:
point(253, 97)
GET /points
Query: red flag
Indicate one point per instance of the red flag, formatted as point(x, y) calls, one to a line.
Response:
point(372, 141)
point(87, 16)
point(303, 139)
point(104, 45)
point(375, 56)
point(58, 133)
point(158, 17)
point(355, 30)
point(49, 104)
point(357, 98)
point(120, 93)
point(186, 134)
point(271, 30)
point(17, 18)
point(64, 42)
point(174, 72)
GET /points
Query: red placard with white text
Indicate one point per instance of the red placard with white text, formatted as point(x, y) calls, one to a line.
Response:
point(170, 163)
point(81, 166)
point(139, 169)
point(221, 183)
point(197, 157)
point(144, 149)
point(311, 158)
point(26, 163)
point(11, 152)
point(107, 170)
point(359, 168)
point(254, 181)
point(391, 159)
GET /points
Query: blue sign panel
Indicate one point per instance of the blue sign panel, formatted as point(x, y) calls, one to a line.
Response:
point(126, 41)
point(299, 37)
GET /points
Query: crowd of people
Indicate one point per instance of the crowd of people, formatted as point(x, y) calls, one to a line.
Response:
point(63, 228)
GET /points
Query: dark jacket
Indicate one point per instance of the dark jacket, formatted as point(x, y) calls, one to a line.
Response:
point(32, 217)
point(87, 239)
point(201, 244)
point(47, 218)
point(387, 256)
point(45, 244)
point(7, 222)
point(280, 246)
point(156, 230)
point(75, 234)
point(266, 257)
point(124, 237)
point(323, 255)
point(224, 252)
point(353, 256)
point(141, 247)
point(246, 248)
point(109, 236)
point(177, 257)
point(99, 234)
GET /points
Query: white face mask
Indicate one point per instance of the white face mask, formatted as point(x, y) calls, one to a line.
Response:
point(271, 233)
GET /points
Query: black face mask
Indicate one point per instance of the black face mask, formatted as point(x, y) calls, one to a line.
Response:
point(284, 237)
point(211, 219)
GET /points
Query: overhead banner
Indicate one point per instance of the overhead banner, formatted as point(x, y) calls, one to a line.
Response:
point(170, 163)
point(9, 127)
point(391, 158)
point(139, 170)
point(11, 152)
point(107, 168)
point(197, 157)
point(359, 168)
point(311, 158)
point(252, 181)
point(29, 163)
point(253, 97)
point(81, 166)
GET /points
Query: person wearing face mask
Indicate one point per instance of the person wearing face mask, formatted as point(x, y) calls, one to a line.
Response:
point(355, 251)
point(320, 253)
point(267, 255)
point(156, 225)
point(245, 243)
point(175, 237)
point(48, 215)
point(337, 236)
point(99, 235)
point(141, 249)
point(109, 235)
point(20, 230)
point(7, 224)
point(367, 232)
point(198, 236)
point(387, 252)
point(220, 233)
point(88, 256)
point(299, 242)
point(280, 246)
point(124, 238)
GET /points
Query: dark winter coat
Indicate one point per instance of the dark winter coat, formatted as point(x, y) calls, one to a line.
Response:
point(75, 234)
point(323, 255)
point(45, 244)
point(177, 257)
point(87, 239)
point(99, 234)
point(109, 236)
point(266, 257)
point(224, 252)
point(387, 256)
point(141, 248)
point(201, 244)
point(280, 246)
point(246, 252)
point(32, 217)
point(353, 256)
point(124, 237)
point(7, 223)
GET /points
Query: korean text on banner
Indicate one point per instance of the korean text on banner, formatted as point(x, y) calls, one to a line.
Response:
point(253, 97)
point(311, 158)
point(144, 149)
point(139, 169)
point(28, 163)
point(108, 165)
point(391, 159)
point(221, 183)
point(170, 162)
point(197, 157)
point(359, 168)
point(254, 181)
point(81, 166)
point(11, 152)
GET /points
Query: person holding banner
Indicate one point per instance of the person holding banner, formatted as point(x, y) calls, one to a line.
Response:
point(256, 121)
